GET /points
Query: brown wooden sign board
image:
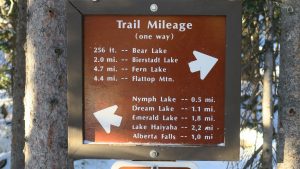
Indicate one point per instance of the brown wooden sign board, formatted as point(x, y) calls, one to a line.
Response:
point(144, 78)
point(158, 98)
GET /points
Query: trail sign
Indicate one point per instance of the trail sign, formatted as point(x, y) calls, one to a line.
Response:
point(143, 79)
point(127, 80)
point(153, 165)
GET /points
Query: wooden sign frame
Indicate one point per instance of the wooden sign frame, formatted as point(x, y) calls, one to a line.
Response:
point(77, 9)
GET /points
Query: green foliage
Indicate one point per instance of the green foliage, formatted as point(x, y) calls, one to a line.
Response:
point(5, 81)
point(7, 35)
point(256, 27)
point(260, 34)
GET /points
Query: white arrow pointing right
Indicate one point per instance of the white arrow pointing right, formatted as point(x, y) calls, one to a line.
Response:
point(204, 64)
point(106, 117)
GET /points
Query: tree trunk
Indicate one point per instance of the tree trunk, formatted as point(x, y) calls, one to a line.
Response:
point(267, 102)
point(267, 112)
point(289, 90)
point(45, 91)
point(267, 105)
point(17, 145)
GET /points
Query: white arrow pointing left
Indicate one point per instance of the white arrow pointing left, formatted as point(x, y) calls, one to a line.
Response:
point(106, 117)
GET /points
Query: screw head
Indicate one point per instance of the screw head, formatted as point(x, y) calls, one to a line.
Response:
point(154, 154)
point(153, 7)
